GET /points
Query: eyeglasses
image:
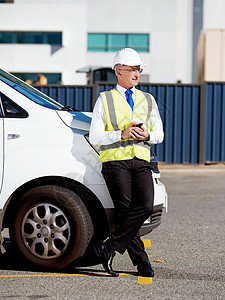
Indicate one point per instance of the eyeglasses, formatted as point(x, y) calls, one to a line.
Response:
point(133, 70)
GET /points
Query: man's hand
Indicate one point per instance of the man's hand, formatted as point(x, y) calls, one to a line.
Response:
point(137, 133)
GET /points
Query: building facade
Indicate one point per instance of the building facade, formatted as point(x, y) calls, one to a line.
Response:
point(58, 38)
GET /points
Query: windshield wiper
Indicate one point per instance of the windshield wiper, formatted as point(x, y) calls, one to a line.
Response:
point(69, 108)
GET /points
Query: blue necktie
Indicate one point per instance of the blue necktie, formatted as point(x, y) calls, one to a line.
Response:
point(129, 98)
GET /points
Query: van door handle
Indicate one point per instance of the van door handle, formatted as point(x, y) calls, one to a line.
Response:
point(13, 136)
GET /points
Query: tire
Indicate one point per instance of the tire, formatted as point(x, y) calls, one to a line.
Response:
point(51, 227)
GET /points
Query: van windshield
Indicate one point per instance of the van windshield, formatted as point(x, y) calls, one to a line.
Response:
point(29, 91)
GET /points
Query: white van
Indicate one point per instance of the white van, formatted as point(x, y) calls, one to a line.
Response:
point(53, 198)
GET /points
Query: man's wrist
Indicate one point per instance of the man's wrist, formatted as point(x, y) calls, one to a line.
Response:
point(148, 137)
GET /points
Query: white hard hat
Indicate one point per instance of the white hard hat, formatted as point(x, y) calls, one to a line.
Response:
point(127, 57)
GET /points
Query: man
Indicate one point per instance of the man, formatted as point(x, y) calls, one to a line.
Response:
point(125, 122)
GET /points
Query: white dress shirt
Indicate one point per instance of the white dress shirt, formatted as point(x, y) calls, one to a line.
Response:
point(98, 134)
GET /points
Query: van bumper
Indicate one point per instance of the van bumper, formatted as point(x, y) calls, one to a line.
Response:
point(152, 222)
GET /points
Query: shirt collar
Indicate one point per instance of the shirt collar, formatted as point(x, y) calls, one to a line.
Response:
point(122, 90)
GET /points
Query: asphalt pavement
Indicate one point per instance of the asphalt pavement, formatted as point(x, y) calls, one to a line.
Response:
point(187, 251)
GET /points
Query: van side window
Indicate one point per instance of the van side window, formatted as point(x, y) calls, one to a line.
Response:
point(11, 109)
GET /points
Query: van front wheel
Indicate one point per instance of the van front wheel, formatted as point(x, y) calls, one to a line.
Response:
point(51, 227)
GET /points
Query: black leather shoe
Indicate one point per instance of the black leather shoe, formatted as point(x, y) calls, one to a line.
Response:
point(145, 269)
point(107, 265)
point(106, 256)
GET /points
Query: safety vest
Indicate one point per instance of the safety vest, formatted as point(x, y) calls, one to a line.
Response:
point(118, 116)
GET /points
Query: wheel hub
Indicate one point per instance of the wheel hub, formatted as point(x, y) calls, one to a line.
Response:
point(46, 231)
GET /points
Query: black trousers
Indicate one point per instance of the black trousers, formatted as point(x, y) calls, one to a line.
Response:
point(131, 187)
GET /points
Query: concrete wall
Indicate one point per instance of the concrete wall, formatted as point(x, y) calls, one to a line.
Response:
point(169, 23)
point(211, 56)
point(211, 45)
point(213, 17)
point(46, 15)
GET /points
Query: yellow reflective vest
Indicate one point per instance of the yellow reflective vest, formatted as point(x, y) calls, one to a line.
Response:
point(118, 116)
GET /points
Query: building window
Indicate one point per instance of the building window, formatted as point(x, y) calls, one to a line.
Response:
point(34, 78)
point(52, 38)
point(112, 42)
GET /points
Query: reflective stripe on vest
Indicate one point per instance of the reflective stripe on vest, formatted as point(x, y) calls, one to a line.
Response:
point(118, 116)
